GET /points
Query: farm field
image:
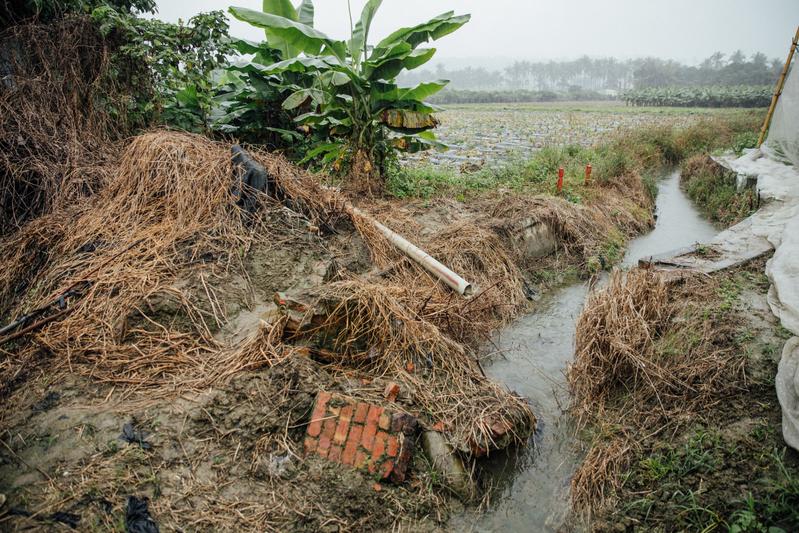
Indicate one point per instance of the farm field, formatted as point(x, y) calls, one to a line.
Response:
point(485, 134)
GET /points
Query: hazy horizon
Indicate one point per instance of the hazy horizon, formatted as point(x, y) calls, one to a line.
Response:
point(504, 31)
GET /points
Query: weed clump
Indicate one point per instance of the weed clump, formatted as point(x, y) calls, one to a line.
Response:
point(664, 394)
point(55, 132)
point(714, 189)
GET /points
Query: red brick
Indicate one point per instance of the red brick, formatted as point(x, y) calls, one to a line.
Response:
point(346, 413)
point(387, 468)
point(310, 445)
point(328, 429)
point(318, 415)
point(361, 459)
point(380, 445)
point(335, 453)
point(384, 422)
point(361, 435)
point(500, 428)
point(391, 392)
point(360, 413)
point(354, 439)
point(367, 440)
point(393, 446)
point(343, 427)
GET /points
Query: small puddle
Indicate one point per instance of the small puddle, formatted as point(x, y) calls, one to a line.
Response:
point(531, 484)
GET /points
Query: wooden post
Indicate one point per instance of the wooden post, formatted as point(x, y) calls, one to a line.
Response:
point(778, 90)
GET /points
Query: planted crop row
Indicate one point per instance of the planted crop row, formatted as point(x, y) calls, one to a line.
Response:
point(737, 96)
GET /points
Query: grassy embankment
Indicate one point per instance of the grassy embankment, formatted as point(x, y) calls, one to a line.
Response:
point(644, 151)
point(674, 390)
point(614, 207)
point(713, 188)
point(673, 387)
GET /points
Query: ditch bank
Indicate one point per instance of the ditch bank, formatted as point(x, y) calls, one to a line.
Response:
point(674, 382)
point(187, 326)
point(532, 484)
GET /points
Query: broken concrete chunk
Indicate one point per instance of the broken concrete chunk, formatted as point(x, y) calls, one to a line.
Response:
point(447, 463)
point(535, 239)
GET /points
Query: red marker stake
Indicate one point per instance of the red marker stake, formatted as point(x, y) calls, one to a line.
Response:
point(560, 179)
point(588, 173)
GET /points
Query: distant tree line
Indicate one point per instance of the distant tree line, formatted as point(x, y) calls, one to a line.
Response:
point(609, 75)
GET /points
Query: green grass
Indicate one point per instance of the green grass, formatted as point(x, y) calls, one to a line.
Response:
point(715, 191)
point(725, 468)
point(779, 503)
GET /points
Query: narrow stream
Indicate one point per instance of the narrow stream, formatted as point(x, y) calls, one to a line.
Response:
point(532, 483)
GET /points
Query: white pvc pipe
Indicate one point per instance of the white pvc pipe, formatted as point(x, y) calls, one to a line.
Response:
point(457, 283)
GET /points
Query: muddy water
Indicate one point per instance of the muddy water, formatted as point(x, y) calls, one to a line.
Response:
point(679, 224)
point(531, 484)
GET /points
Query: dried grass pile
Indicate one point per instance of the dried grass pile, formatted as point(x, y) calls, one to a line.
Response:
point(474, 252)
point(169, 213)
point(583, 231)
point(168, 208)
point(55, 134)
point(407, 325)
point(649, 357)
point(370, 326)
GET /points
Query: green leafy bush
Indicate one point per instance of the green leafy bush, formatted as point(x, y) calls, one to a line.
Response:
point(170, 65)
point(342, 93)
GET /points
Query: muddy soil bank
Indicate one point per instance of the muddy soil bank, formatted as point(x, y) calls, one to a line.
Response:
point(228, 455)
point(226, 458)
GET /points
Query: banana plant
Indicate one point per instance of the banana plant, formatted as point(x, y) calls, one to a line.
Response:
point(344, 92)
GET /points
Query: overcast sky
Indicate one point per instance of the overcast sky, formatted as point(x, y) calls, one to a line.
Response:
point(503, 30)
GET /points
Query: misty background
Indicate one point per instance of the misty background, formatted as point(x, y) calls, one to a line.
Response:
point(574, 45)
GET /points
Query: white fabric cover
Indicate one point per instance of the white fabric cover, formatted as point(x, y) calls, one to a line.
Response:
point(783, 134)
point(778, 222)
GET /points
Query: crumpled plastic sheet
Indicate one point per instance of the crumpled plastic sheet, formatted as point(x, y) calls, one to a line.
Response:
point(778, 221)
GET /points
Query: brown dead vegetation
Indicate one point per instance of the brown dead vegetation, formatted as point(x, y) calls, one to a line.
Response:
point(652, 355)
point(149, 259)
point(168, 215)
point(55, 134)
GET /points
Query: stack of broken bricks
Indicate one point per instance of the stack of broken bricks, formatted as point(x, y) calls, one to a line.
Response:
point(362, 435)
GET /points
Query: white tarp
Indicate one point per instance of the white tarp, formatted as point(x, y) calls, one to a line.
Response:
point(783, 133)
point(778, 222)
